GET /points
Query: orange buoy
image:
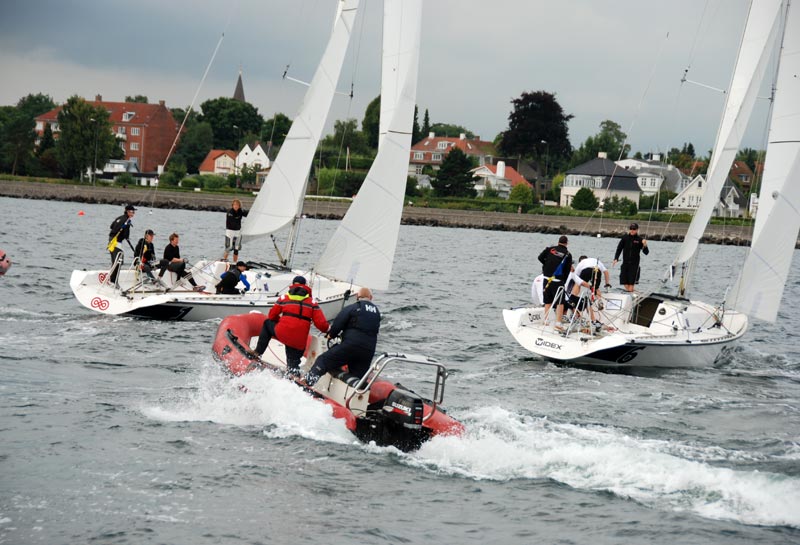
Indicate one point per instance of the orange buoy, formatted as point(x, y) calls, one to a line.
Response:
point(81, 213)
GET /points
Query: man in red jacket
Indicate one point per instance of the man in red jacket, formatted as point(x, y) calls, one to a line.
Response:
point(289, 321)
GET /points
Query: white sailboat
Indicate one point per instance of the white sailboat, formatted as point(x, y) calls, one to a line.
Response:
point(657, 330)
point(277, 206)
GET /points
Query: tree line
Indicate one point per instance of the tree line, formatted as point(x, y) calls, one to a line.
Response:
point(537, 132)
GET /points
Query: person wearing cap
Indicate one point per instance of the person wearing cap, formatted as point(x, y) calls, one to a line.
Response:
point(231, 278)
point(631, 245)
point(358, 324)
point(289, 320)
point(146, 255)
point(119, 230)
point(556, 265)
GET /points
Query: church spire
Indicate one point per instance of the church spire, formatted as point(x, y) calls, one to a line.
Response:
point(238, 94)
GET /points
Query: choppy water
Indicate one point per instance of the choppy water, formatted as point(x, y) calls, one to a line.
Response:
point(117, 430)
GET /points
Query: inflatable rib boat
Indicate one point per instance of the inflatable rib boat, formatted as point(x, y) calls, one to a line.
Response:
point(372, 408)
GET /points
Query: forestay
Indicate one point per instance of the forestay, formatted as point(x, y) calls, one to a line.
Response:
point(280, 200)
point(362, 249)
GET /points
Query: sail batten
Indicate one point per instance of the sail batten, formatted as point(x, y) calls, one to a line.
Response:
point(280, 199)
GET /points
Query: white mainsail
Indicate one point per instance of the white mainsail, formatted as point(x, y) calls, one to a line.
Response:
point(362, 249)
point(757, 44)
point(280, 200)
point(760, 286)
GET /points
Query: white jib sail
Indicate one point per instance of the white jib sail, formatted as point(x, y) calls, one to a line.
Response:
point(281, 197)
point(760, 286)
point(757, 44)
point(362, 249)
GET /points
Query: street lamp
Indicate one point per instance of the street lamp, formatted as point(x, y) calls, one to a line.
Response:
point(546, 157)
point(94, 165)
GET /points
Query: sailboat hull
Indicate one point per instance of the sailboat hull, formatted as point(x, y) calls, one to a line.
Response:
point(179, 302)
point(648, 331)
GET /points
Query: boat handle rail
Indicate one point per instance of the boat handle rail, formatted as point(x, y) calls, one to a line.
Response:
point(385, 359)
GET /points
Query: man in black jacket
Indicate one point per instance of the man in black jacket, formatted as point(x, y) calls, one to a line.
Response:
point(556, 265)
point(145, 252)
point(231, 278)
point(359, 324)
point(120, 230)
point(631, 245)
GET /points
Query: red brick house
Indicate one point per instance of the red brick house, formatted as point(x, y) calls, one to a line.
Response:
point(430, 151)
point(145, 132)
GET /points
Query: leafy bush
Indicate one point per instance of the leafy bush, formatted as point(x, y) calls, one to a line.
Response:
point(124, 179)
point(584, 199)
point(190, 183)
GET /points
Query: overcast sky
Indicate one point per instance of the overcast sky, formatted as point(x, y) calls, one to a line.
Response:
point(604, 59)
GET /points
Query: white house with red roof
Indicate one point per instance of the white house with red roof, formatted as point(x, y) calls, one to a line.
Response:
point(219, 161)
point(145, 132)
point(431, 151)
point(500, 177)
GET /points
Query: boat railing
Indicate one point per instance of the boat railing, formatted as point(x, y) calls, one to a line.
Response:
point(377, 367)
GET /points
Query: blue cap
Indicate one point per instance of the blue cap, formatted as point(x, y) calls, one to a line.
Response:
point(299, 280)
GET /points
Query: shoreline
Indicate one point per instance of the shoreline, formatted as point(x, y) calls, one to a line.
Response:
point(412, 215)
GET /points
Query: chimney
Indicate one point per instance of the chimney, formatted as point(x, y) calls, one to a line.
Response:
point(98, 98)
point(161, 103)
point(501, 169)
point(431, 134)
point(656, 157)
point(602, 155)
point(462, 136)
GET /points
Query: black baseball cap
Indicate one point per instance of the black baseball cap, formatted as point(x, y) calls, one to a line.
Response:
point(130, 207)
point(149, 232)
point(634, 227)
point(242, 264)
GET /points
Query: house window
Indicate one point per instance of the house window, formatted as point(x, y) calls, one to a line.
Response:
point(134, 146)
point(436, 157)
point(418, 169)
point(54, 127)
point(441, 145)
point(39, 126)
point(419, 156)
point(127, 116)
point(120, 130)
point(134, 131)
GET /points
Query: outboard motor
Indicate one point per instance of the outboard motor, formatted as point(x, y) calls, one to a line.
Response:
point(404, 408)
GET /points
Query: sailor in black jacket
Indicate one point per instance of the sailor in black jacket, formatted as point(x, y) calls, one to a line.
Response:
point(120, 230)
point(359, 324)
point(631, 245)
point(556, 265)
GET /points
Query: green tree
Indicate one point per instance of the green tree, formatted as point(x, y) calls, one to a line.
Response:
point(194, 145)
point(230, 120)
point(426, 125)
point(454, 178)
point(750, 157)
point(18, 140)
point(450, 130)
point(35, 105)
point(522, 193)
point(371, 123)
point(415, 131)
point(489, 192)
point(584, 199)
point(537, 126)
point(85, 139)
point(610, 140)
point(141, 99)
point(275, 130)
point(47, 141)
point(346, 135)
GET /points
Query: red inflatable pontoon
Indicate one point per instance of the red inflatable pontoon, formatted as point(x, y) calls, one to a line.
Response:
point(373, 409)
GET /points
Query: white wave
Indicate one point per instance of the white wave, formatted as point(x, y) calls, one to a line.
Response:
point(503, 446)
point(255, 400)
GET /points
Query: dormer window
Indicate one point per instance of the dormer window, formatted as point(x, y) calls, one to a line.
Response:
point(127, 116)
point(441, 145)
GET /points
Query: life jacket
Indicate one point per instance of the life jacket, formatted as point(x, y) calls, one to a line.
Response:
point(294, 313)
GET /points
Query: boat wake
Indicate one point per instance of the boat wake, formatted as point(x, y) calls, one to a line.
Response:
point(660, 474)
point(260, 400)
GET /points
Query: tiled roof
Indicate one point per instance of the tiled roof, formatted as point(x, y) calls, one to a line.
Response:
point(142, 113)
point(208, 163)
point(511, 175)
point(469, 147)
point(623, 179)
